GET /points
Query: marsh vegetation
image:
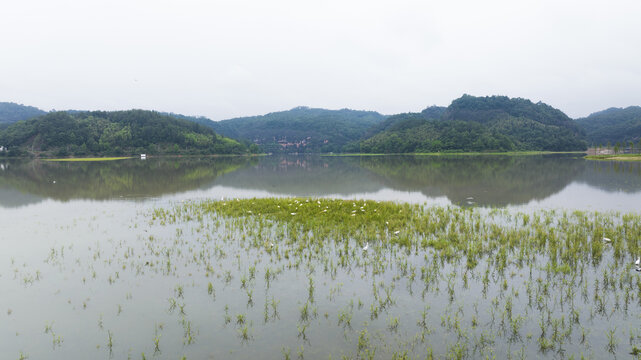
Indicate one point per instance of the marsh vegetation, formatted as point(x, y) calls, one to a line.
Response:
point(291, 278)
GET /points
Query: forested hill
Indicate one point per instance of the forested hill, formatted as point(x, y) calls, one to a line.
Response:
point(12, 112)
point(492, 123)
point(301, 129)
point(99, 133)
point(197, 119)
point(406, 120)
point(614, 125)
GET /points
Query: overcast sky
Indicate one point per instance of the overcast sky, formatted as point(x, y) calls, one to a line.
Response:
point(223, 59)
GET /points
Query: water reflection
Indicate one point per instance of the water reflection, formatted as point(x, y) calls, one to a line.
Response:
point(25, 182)
point(479, 180)
point(464, 180)
point(305, 176)
point(612, 176)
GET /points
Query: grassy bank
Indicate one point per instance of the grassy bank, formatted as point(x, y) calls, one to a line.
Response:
point(91, 159)
point(619, 157)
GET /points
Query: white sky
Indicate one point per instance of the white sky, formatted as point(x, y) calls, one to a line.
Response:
point(223, 59)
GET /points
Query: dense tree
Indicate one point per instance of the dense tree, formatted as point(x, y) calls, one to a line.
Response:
point(115, 133)
point(495, 123)
point(301, 129)
point(613, 125)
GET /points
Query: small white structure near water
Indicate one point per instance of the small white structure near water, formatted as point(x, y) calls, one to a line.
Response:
point(143, 156)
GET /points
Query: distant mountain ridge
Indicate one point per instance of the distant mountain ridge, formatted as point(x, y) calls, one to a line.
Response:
point(469, 123)
point(12, 112)
point(301, 129)
point(612, 126)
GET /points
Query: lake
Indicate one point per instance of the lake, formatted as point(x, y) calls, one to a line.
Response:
point(121, 260)
point(545, 181)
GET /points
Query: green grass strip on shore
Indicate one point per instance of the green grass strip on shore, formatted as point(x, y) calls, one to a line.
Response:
point(620, 157)
point(91, 159)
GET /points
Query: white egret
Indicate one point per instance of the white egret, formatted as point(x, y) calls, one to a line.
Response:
point(638, 262)
point(607, 240)
point(366, 246)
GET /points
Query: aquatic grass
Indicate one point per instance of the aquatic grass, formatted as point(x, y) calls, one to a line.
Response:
point(534, 284)
point(566, 241)
point(321, 218)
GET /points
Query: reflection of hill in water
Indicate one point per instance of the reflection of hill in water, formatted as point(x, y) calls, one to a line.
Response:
point(613, 176)
point(303, 176)
point(11, 197)
point(490, 180)
point(111, 179)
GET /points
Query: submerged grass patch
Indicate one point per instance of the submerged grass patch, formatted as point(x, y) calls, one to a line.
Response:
point(566, 239)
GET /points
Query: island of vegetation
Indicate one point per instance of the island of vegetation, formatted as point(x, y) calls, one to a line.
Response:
point(117, 133)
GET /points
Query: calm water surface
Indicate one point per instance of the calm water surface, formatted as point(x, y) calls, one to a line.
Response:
point(82, 263)
point(550, 181)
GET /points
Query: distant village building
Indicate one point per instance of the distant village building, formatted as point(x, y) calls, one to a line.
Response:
point(600, 151)
point(284, 143)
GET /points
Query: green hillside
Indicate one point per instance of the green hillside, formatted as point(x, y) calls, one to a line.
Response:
point(614, 125)
point(301, 129)
point(12, 112)
point(493, 123)
point(102, 133)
